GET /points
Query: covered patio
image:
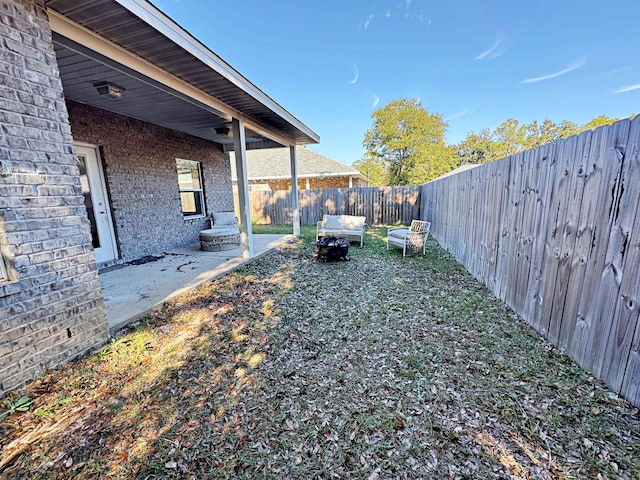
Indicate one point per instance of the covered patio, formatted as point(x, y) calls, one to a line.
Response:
point(118, 129)
point(134, 62)
point(134, 289)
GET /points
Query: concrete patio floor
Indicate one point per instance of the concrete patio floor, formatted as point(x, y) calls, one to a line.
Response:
point(130, 291)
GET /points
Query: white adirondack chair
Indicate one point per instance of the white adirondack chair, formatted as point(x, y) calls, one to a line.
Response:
point(413, 238)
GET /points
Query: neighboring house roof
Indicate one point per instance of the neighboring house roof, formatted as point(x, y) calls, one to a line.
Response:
point(167, 77)
point(275, 163)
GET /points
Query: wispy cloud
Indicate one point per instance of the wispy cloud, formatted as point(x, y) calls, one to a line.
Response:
point(494, 51)
point(367, 22)
point(626, 89)
point(457, 115)
point(570, 68)
point(355, 77)
point(387, 13)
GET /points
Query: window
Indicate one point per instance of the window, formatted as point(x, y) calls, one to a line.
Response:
point(3, 270)
point(190, 184)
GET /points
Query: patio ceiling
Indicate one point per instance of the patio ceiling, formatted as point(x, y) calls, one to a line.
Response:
point(169, 78)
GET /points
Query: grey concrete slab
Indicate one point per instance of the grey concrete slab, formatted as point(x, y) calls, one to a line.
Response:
point(131, 291)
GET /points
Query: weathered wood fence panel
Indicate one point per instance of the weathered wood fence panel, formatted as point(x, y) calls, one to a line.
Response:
point(555, 233)
point(380, 205)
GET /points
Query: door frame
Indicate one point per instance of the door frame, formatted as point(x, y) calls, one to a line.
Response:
point(108, 251)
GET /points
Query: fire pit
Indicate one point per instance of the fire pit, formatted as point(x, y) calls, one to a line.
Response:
point(329, 249)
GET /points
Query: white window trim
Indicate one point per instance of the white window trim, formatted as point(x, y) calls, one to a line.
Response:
point(200, 191)
point(3, 270)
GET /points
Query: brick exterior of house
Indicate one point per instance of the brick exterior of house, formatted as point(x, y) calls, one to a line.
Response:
point(326, 182)
point(140, 171)
point(51, 307)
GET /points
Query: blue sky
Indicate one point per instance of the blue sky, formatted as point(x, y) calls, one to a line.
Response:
point(475, 62)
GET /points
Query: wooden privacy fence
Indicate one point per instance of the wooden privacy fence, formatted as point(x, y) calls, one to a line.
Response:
point(380, 205)
point(555, 233)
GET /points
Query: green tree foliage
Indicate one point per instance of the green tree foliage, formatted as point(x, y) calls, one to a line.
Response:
point(405, 145)
point(512, 137)
point(478, 148)
point(373, 170)
point(598, 122)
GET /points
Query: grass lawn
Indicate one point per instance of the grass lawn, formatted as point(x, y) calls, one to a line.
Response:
point(382, 367)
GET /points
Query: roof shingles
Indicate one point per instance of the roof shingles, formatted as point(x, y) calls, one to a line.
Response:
point(275, 163)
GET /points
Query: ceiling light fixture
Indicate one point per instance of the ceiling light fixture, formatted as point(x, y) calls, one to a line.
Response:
point(109, 90)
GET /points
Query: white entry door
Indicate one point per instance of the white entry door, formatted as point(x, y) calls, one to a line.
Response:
point(94, 190)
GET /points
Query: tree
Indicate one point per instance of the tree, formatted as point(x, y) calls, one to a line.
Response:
point(407, 143)
point(598, 122)
point(511, 138)
point(373, 170)
point(478, 148)
point(547, 132)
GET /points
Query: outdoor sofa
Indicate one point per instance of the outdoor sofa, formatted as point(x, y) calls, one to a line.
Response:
point(345, 226)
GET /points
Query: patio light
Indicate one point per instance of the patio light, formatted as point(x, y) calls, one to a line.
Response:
point(109, 90)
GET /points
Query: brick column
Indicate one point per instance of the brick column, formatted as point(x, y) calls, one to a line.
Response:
point(51, 309)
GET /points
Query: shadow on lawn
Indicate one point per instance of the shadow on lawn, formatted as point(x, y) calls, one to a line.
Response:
point(156, 399)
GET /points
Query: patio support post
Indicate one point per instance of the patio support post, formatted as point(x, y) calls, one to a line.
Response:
point(294, 192)
point(240, 149)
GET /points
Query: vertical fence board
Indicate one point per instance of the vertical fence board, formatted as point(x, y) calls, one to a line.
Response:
point(584, 271)
point(513, 216)
point(568, 226)
point(501, 215)
point(630, 291)
point(570, 278)
point(559, 187)
point(602, 178)
point(617, 349)
point(531, 165)
point(536, 268)
point(598, 307)
point(544, 259)
point(470, 226)
point(494, 186)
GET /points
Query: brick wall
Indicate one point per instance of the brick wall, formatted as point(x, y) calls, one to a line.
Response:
point(51, 310)
point(326, 182)
point(140, 170)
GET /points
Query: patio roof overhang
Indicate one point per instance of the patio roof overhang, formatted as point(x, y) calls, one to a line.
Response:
point(168, 77)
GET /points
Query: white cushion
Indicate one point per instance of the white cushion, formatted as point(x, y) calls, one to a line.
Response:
point(333, 222)
point(399, 233)
point(218, 232)
point(354, 223)
point(224, 218)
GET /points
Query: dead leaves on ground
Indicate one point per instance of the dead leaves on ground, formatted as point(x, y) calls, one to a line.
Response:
point(378, 368)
